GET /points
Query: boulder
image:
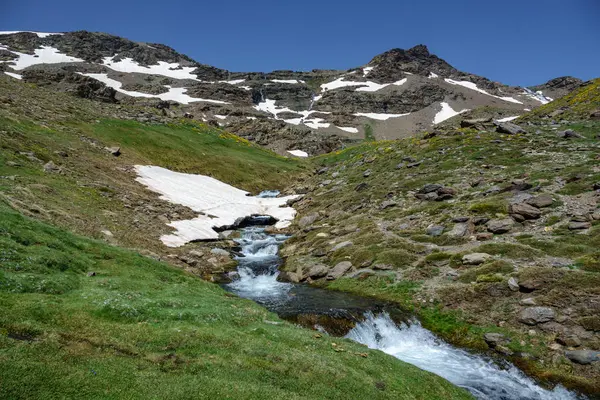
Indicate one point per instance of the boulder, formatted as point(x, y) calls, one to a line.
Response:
point(388, 204)
point(435, 230)
point(495, 339)
point(541, 201)
point(317, 271)
point(569, 134)
point(575, 226)
point(537, 315)
point(513, 284)
point(508, 128)
point(361, 186)
point(500, 225)
point(219, 252)
point(475, 258)
point(287, 276)
point(483, 236)
point(525, 210)
point(115, 151)
point(339, 270)
point(52, 168)
point(341, 245)
point(583, 357)
point(429, 188)
point(367, 173)
point(308, 220)
point(383, 267)
point(459, 230)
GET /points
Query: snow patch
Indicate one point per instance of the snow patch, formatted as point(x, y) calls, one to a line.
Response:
point(507, 119)
point(171, 70)
point(367, 86)
point(16, 76)
point(221, 116)
point(298, 153)
point(433, 75)
point(290, 81)
point(175, 94)
point(380, 116)
point(539, 96)
point(445, 113)
point(40, 34)
point(348, 129)
point(217, 203)
point(234, 82)
point(367, 70)
point(472, 86)
point(44, 55)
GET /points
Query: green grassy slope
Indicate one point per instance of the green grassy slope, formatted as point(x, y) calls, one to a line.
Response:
point(140, 329)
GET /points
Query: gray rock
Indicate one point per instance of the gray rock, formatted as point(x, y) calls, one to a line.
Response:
point(540, 201)
point(308, 220)
point(508, 127)
point(459, 230)
point(52, 168)
point(495, 339)
point(382, 267)
point(537, 315)
point(361, 186)
point(430, 187)
point(339, 270)
point(341, 245)
point(500, 225)
point(525, 210)
point(219, 252)
point(583, 357)
point(388, 204)
point(475, 258)
point(115, 151)
point(317, 271)
point(435, 230)
point(513, 284)
point(569, 134)
point(367, 173)
point(575, 226)
point(529, 301)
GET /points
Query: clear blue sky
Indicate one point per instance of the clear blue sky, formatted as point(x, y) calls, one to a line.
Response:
point(518, 42)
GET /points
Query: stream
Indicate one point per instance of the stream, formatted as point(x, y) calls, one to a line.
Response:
point(370, 322)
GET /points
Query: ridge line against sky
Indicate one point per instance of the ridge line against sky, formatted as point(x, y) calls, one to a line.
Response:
point(515, 42)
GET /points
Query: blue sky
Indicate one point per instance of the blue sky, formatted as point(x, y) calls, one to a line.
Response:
point(518, 42)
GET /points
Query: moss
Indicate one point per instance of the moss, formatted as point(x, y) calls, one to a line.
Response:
point(488, 278)
point(489, 207)
point(495, 268)
point(591, 323)
point(397, 258)
point(509, 250)
point(437, 257)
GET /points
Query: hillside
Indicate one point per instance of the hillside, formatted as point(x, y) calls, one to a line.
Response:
point(474, 230)
point(396, 94)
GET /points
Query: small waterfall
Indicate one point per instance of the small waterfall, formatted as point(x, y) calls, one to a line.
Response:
point(482, 377)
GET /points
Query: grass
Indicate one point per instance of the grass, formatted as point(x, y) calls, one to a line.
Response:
point(141, 329)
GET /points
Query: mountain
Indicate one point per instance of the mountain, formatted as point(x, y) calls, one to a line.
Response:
point(396, 94)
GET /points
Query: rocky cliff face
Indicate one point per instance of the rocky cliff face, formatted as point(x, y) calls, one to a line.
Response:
point(396, 94)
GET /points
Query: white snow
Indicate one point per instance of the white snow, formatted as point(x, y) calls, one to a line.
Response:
point(234, 82)
point(17, 76)
point(175, 94)
point(380, 116)
point(290, 81)
point(317, 98)
point(507, 119)
point(171, 70)
point(217, 203)
point(270, 107)
point(433, 75)
point(367, 70)
point(298, 153)
point(445, 113)
point(348, 129)
point(473, 86)
point(294, 121)
point(526, 109)
point(367, 86)
point(251, 118)
point(45, 55)
point(40, 34)
point(221, 116)
point(316, 123)
point(539, 96)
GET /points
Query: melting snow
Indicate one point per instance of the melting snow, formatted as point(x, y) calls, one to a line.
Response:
point(45, 55)
point(175, 94)
point(171, 70)
point(472, 86)
point(539, 96)
point(380, 117)
point(234, 82)
point(367, 86)
point(348, 129)
point(367, 70)
point(221, 116)
point(270, 107)
point(445, 113)
point(433, 75)
point(40, 34)
point(298, 153)
point(218, 203)
point(291, 81)
point(17, 76)
point(507, 119)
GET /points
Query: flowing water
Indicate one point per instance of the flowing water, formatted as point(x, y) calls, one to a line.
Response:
point(409, 342)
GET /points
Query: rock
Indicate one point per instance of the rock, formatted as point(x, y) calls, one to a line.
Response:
point(466, 123)
point(529, 301)
point(525, 210)
point(459, 230)
point(583, 357)
point(475, 258)
point(480, 220)
point(541, 201)
point(383, 267)
point(388, 204)
point(326, 182)
point(495, 339)
point(317, 271)
point(322, 235)
point(287, 276)
point(322, 170)
point(91, 273)
point(595, 114)
point(513, 284)
point(596, 186)
point(196, 253)
point(579, 218)
point(508, 128)
point(483, 236)
point(339, 270)
point(115, 151)
point(52, 168)
point(575, 226)
point(219, 252)
point(341, 245)
point(400, 166)
point(435, 230)
point(500, 225)
point(519, 185)
point(569, 340)
point(537, 315)
point(361, 186)
point(430, 187)
point(308, 220)
point(367, 173)
point(569, 134)
point(414, 165)
point(460, 219)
